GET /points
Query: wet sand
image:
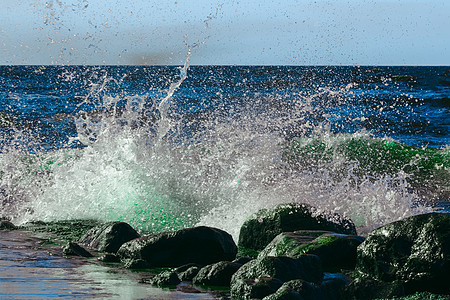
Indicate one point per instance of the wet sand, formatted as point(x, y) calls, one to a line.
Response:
point(32, 268)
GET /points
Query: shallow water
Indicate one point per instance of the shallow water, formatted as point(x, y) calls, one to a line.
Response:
point(33, 269)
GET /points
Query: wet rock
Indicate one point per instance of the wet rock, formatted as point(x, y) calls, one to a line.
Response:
point(414, 251)
point(294, 289)
point(218, 274)
point(303, 290)
point(189, 274)
point(260, 229)
point(336, 251)
point(367, 289)
point(166, 279)
point(307, 267)
point(201, 245)
point(262, 287)
point(135, 264)
point(76, 250)
point(7, 225)
point(109, 237)
point(109, 258)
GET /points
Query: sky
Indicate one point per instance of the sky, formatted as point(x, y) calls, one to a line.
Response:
point(225, 32)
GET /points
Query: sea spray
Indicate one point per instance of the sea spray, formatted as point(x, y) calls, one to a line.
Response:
point(138, 159)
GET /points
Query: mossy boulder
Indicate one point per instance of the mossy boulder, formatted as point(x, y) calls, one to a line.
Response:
point(190, 273)
point(414, 251)
point(336, 251)
point(109, 237)
point(7, 225)
point(302, 290)
point(218, 274)
point(166, 278)
point(261, 228)
point(200, 245)
point(73, 249)
point(245, 283)
point(367, 289)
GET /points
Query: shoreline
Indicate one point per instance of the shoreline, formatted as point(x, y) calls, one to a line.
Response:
point(31, 268)
point(284, 250)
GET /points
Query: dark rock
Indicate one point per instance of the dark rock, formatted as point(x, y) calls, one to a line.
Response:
point(76, 250)
point(109, 237)
point(264, 226)
point(201, 245)
point(7, 225)
point(262, 287)
point(414, 251)
point(109, 258)
point(189, 274)
point(336, 251)
point(218, 274)
point(367, 289)
point(294, 290)
point(303, 290)
point(332, 289)
point(135, 264)
point(307, 267)
point(166, 279)
point(243, 260)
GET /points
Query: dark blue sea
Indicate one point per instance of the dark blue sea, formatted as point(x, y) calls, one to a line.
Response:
point(166, 147)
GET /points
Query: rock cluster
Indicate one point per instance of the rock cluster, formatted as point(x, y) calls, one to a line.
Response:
point(289, 252)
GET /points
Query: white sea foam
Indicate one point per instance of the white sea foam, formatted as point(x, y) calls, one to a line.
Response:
point(150, 173)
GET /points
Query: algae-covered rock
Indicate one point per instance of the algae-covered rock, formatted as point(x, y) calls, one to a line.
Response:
point(189, 274)
point(7, 225)
point(166, 279)
point(292, 290)
point(302, 290)
point(367, 289)
point(218, 274)
point(109, 237)
point(307, 267)
point(76, 250)
point(414, 251)
point(336, 251)
point(201, 245)
point(262, 287)
point(265, 225)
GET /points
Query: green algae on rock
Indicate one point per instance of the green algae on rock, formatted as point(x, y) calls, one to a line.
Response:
point(244, 283)
point(302, 290)
point(414, 251)
point(218, 274)
point(258, 230)
point(336, 251)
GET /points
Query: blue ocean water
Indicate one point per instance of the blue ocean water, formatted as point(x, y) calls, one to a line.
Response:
point(167, 147)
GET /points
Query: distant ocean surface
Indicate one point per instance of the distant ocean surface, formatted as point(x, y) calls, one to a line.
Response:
point(169, 147)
